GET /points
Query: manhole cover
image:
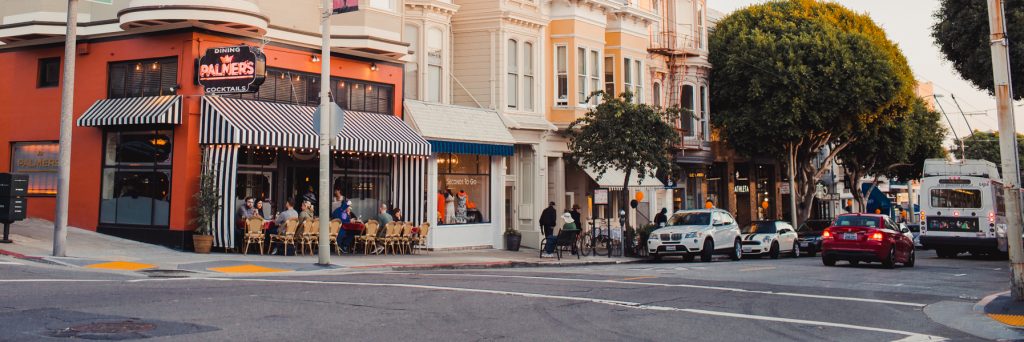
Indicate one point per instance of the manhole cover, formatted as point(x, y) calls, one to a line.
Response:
point(128, 329)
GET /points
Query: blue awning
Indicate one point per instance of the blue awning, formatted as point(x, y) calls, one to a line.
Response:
point(441, 146)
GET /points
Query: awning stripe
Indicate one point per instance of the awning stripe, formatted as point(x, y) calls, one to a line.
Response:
point(247, 122)
point(441, 146)
point(147, 110)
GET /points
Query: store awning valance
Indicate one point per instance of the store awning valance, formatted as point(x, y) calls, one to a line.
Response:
point(258, 123)
point(149, 110)
point(612, 179)
point(459, 129)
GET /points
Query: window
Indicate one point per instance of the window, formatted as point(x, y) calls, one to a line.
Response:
point(435, 71)
point(528, 76)
point(627, 78)
point(150, 77)
point(464, 182)
point(688, 110)
point(595, 75)
point(136, 184)
point(609, 76)
point(363, 96)
point(638, 81)
point(512, 59)
point(956, 198)
point(704, 131)
point(412, 77)
point(39, 160)
point(656, 93)
point(49, 72)
point(562, 76)
point(581, 75)
point(301, 88)
point(655, 6)
point(364, 180)
point(700, 28)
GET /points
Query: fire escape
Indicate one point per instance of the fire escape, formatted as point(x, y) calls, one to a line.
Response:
point(677, 47)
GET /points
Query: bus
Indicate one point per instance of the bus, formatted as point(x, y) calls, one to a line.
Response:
point(962, 208)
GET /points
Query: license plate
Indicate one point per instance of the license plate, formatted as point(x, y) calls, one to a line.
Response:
point(670, 248)
point(849, 236)
point(803, 244)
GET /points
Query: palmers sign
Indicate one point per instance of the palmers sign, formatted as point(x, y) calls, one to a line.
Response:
point(232, 69)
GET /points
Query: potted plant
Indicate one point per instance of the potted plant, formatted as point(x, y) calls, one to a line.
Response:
point(512, 239)
point(207, 203)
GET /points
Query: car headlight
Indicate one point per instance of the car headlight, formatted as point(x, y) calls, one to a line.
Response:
point(766, 239)
point(691, 235)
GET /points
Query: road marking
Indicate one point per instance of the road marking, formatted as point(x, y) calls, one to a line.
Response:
point(910, 336)
point(57, 281)
point(11, 263)
point(703, 287)
point(640, 278)
point(1012, 320)
point(121, 266)
point(960, 275)
point(247, 268)
point(759, 268)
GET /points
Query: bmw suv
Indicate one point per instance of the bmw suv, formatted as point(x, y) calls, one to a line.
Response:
point(692, 233)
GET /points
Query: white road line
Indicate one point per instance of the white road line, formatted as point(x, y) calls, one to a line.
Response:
point(703, 287)
point(57, 281)
point(910, 336)
point(11, 263)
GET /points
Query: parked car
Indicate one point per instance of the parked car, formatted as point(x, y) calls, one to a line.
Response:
point(866, 238)
point(770, 238)
point(690, 233)
point(915, 229)
point(809, 235)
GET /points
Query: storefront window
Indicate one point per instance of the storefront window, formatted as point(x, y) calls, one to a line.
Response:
point(150, 77)
point(464, 181)
point(136, 187)
point(366, 181)
point(38, 160)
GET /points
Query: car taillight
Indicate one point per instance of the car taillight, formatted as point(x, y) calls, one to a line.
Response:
point(826, 234)
point(875, 237)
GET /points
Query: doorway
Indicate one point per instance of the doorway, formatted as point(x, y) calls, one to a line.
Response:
point(302, 184)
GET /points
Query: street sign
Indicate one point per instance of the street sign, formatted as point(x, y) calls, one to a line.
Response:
point(232, 69)
point(337, 119)
point(601, 196)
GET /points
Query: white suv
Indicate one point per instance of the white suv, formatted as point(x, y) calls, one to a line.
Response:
point(697, 232)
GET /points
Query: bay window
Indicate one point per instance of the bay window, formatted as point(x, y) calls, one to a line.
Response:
point(528, 76)
point(595, 76)
point(561, 76)
point(581, 75)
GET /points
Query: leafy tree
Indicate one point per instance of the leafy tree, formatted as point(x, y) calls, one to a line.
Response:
point(985, 145)
point(895, 149)
point(962, 33)
point(792, 77)
point(618, 133)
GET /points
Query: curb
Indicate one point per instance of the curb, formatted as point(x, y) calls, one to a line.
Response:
point(979, 307)
point(494, 265)
point(20, 256)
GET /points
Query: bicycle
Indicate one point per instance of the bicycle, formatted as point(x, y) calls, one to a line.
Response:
point(595, 241)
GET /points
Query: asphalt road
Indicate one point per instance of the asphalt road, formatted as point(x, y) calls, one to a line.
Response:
point(761, 300)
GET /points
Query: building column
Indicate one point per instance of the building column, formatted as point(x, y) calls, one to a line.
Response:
point(432, 180)
point(498, 199)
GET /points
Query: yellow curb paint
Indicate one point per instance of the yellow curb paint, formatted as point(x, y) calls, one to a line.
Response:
point(121, 266)
point(247, 268)
point(1014, 320)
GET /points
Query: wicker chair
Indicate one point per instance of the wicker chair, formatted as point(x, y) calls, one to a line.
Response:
point(392, 232)
point(405, 240)
point(370, 236)
point(253, 234)
point(310, 235)
point(288, 238)
point(421, 239)
point(335, 229)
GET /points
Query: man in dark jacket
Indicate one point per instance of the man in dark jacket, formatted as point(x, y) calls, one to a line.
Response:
point(547, 219)
point(661, 219)
point(576, 216)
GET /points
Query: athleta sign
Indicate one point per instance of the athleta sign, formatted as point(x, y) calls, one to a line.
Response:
point(232, 70)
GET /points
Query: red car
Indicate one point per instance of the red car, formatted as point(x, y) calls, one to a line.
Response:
point(867, 238)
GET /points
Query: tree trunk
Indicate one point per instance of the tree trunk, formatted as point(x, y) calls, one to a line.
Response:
point(625, 198)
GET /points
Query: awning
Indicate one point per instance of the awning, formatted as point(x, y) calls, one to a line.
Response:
point(612, 179)
point(259, 123)
point(459, 129)
point(149, 110)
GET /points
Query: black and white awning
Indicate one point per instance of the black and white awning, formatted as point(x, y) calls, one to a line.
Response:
point(257, 123)
point(149, 110)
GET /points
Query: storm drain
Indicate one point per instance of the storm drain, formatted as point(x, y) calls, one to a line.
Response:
point(122, 330)
point(159, 273)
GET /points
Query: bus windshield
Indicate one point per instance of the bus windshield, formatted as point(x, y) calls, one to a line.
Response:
point(956, 198)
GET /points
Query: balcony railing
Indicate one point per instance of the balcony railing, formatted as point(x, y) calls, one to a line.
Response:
point(674, 43)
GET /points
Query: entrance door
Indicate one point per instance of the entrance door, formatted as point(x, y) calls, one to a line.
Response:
point(510, 215)
point(301, 181)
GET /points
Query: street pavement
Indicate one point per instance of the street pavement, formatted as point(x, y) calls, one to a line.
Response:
point(754, 299)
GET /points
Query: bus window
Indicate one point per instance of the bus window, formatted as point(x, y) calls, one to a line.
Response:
point(956, 198)
point(1000, 201)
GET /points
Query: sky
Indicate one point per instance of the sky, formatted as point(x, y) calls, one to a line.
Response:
point(908, 23)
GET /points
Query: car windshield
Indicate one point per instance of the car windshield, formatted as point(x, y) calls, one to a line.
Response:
point(814, 225)
point(857, 221)
point(759, 228)
point(690, 219)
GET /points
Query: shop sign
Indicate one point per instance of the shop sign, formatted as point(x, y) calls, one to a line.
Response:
point(601, 196)
point(232, 69)
point(696, 174)
point(741, 189)
point(460, 181)
point(40, 159)
point(784, 188)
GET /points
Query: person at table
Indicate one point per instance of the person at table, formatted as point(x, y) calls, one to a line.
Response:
point(307, 212)
point(343, 214)
point(258, 209)
point(569, 225)
point(398, 216)
point(244, 212)
point(338, 200)
point(282, 217)
point(382, 215)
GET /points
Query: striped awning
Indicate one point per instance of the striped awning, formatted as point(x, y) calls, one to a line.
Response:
point(258, 123)
point(147, 110)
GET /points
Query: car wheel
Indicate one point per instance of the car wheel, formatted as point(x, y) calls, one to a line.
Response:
point(688, 258)
point(796, 249)
point(910, 259)
point(828, 261)
point(890, 259)
point(774, 251)
point(707, 251)
point(737, 251)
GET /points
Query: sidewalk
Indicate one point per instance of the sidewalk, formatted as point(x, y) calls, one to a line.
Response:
point(33, 240)
point(1003, 309)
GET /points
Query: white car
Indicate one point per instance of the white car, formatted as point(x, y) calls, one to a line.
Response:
point(697, 232)
point(770, 238)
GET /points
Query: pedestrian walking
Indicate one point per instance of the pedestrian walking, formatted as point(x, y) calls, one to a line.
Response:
point(661, 219)
point(547, 220)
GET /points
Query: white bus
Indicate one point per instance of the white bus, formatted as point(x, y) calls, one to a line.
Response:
point(962, 208)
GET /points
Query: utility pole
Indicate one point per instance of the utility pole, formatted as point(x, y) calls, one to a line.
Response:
point(67, 97)
point(324, 252)
point(1007, 145)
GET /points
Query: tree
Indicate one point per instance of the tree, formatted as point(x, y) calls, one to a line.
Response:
point(985, 146)
point(962, 33)
point(895, 149)
point(618, 133)
point(792, 77)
